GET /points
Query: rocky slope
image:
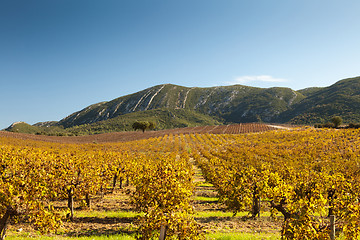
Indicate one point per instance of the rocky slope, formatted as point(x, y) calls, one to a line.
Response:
point(232, 103)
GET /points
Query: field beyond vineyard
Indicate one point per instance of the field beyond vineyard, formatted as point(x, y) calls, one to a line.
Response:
point(131, 136)
point(200, 183)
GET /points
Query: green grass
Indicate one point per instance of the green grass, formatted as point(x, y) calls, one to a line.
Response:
point(39, 237)
point(206, 214)
point(242, 236)
point(212, 236)
point(206, 199)
point(204, 184)
point(130, 214)
point(109, 214)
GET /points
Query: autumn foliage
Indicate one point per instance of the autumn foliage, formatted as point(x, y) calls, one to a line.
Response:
point(301, 176)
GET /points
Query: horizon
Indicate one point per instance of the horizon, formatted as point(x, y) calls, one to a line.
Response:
point(59, 57)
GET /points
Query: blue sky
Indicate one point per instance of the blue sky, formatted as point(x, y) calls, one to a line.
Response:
point(59, 56)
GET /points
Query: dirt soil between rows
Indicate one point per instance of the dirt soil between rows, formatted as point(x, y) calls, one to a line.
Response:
point(88, 224)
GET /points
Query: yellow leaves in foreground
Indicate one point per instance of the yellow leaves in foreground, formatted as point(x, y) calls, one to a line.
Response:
point(304, 175)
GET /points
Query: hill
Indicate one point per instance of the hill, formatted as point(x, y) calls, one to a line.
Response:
point(309, 91)
point(340, 99)
point(231, 103)
point(172, 106)
point(163, 119)
point(22, 127)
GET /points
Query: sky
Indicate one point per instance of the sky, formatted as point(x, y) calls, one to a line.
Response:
point(60, 56)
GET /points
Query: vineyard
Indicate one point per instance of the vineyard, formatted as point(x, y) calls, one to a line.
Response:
point(289, 182)
point(131, 136)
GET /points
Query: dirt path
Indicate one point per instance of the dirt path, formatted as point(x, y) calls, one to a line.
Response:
point(216, 218)
point(113, 214)
point(280, 127)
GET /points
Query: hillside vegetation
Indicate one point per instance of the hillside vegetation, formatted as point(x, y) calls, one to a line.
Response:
point(231, 103)
point(340, 99)
point(163, 119)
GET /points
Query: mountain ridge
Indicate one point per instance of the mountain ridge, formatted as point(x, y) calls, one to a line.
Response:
point(220, 105)
point(218, 101)
point(339, 99)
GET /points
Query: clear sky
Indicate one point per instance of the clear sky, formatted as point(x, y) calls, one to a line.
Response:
point(59, 56)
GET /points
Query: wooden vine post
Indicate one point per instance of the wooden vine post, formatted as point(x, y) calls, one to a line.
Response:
point(71, 203)
point(332, 227)
point(162, 233)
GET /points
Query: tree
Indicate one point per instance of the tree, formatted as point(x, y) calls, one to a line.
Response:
point(152, 125)
point(143, 125)
point(336, 121)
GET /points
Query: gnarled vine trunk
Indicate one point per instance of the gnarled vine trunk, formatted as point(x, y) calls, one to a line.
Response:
point(10, 212)
point(256, 202)
point(71, 203)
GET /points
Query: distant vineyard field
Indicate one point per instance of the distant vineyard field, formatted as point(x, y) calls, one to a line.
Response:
point(132, 135)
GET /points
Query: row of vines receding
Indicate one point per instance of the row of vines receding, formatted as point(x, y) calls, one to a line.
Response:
point(300, 176)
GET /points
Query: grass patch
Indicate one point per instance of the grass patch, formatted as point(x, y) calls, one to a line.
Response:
point(206, 214)
point(212, 236)
point(206, 199)
point(242, 236)
point(204, 184)
point(39, 237)
point(108, 214)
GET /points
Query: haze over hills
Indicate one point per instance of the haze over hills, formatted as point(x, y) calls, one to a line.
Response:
point(172, 106)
